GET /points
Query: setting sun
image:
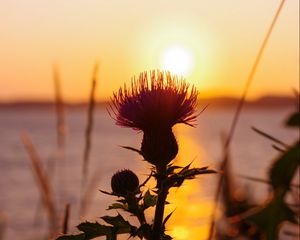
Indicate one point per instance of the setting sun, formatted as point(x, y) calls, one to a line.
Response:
point(178, 60)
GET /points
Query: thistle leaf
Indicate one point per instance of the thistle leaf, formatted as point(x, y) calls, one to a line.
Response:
point(149, 200)
point(144, 231)
point(171, 169)
point(186, 167)
point(177, 179)
point(107, 193)
point(166, 237)
point(147, 179)
point(133, 149)
point(93, 230)
point(117, 206)
point(168, 217)
point(119, 223)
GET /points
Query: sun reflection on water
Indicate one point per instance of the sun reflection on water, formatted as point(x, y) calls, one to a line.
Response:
point(190, 219)
point(180, 232)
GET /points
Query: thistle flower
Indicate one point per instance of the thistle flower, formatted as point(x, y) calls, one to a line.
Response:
point(154, 106)
point(160, 102)
point(124, 182)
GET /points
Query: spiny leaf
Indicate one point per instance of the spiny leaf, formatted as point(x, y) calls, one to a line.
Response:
point(93, 230)
point(166, 237)
point(168, 217)
point(186, 167)
point(119, 223)
point(191, 173)
point(149, 200)
point(133, 149)
point(144, 231)
point(147, 179)
point(117, 206)
point(171, 169)
point(178, 182)
point(177, 179)
point(122, 200)
point(113, 236)
point(107, 193)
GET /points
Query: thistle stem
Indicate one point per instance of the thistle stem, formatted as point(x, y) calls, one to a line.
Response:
point(133, 203)
point(160, 206)
point(141, 217)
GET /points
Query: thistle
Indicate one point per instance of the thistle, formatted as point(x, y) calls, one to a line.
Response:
point(153, 104)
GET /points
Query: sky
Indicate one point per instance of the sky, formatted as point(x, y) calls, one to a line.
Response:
point(216, 41)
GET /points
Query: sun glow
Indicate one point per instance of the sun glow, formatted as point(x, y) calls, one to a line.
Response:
point(178, 60)
point(180, 232)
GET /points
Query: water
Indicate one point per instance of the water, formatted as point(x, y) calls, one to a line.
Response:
point(19, 198)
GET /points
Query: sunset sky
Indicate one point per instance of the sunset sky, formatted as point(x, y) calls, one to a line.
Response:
point(215, 41)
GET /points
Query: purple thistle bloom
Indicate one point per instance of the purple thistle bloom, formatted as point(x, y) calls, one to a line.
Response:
point(160, 102)
point(154, 106)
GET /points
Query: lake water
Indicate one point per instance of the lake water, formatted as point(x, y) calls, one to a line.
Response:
point(19, 199)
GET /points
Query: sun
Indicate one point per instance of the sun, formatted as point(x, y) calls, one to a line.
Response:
point(178, 60)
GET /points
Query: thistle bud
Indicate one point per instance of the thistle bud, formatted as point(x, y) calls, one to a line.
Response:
point(124, 182)
point(159, 147)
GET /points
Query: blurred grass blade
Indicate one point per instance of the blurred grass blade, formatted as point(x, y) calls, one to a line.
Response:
point(239, 109)
point(269, 137)
point(89, 126)
point(60, 110)
point(42, 181)
point(88, 137)
point(279, 149)
point(252, 73)
point(263, 180)
point(66, 219)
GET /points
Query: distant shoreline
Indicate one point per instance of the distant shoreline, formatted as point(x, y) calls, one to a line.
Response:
point(217, 102)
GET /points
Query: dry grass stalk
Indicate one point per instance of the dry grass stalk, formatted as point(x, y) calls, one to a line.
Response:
point(60, 110)
point(49, 169)
point(60, 132)
point(65, 227)
point(88, 140)
point(61, 135)
point(238, 113)
point(42, 181)
point(89, 126)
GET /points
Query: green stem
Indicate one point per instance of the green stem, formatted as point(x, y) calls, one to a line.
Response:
point(160, 205)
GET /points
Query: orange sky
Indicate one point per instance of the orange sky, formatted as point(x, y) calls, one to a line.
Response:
point(128, 37)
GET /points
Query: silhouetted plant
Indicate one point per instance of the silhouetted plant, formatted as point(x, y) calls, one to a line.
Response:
point(270, 216)
point(152, 106)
